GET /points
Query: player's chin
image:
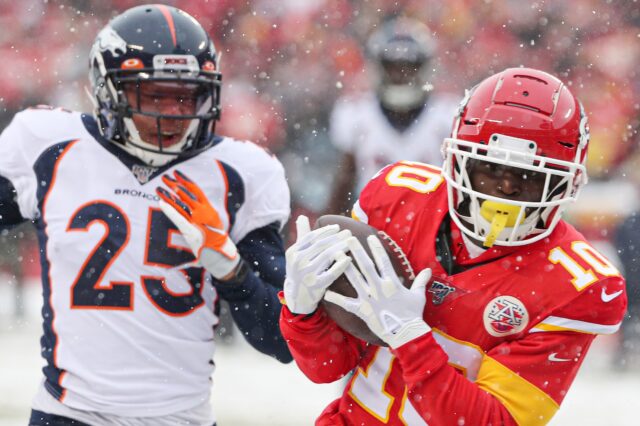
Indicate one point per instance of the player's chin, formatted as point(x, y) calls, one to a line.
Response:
point(170, 139)
point(165, 140)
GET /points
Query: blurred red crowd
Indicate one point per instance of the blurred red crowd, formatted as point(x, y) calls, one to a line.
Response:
point(285, 62)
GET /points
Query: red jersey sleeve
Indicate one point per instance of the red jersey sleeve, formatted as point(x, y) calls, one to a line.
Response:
point(521, 382)
point(599, 309)
point(322, 350)
point(502, 393)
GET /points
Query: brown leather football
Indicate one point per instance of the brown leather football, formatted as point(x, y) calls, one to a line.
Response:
point(346, 320)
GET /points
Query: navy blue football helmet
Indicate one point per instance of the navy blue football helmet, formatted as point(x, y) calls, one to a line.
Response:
point(154, 46)
point(402, 49)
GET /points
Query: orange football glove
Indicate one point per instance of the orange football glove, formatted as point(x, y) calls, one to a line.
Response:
point(199, 222)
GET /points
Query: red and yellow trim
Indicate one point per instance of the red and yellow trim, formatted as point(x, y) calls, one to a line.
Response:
point(526, 403)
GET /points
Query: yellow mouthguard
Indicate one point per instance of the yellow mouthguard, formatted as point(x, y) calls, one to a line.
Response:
point(501, 216)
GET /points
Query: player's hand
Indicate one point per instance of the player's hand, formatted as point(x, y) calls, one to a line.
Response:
point(391, 311)
point(198, 221)
point(313, 263)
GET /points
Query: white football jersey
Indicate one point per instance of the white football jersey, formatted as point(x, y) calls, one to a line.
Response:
point(359, 127)
point(128, 323)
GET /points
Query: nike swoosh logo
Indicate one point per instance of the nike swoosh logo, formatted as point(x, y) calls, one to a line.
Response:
point(553, 357)
point(212, 229)
point(606, 298)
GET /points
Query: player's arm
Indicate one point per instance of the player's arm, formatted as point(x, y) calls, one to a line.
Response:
point(518, 383)
point(237, 280)
point(9, 209)
point(323, 351)
point(16, 172)
point(252, 293)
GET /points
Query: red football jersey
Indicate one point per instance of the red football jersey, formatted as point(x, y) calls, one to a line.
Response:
point(510, 327)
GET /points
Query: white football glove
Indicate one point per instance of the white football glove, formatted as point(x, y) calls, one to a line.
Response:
point(309, 264)
point(198, 221)
point(392, 312)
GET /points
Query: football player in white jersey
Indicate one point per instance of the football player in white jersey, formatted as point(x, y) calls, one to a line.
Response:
point(122, 200)
point(403, 118)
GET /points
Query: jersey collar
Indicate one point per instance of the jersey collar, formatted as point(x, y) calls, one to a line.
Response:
point(461, 252)
point(143, 172)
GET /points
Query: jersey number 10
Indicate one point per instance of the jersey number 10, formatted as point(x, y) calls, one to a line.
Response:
point(581, 277)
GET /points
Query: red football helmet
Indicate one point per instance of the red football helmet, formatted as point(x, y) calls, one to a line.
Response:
point(521, 118)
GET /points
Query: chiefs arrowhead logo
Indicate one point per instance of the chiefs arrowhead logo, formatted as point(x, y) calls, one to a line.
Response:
point(505, 315)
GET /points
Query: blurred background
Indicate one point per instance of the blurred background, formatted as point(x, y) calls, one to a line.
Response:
point(285, 64)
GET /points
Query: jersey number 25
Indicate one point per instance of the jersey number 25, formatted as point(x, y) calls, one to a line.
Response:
point(86, 291)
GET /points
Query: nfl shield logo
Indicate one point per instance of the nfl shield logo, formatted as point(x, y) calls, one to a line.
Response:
point(440, 291)
point(142, 173)
point(505, 315)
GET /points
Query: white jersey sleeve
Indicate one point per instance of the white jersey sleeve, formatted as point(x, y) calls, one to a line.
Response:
point(23, 141)
point(343, 125)
point(267, 197)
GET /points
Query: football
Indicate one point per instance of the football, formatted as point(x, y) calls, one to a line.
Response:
point(346, 320)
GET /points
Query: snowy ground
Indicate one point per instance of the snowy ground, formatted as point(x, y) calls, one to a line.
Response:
point(251, 389)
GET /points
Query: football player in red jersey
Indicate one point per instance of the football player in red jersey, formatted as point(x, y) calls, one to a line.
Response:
point(510, 297)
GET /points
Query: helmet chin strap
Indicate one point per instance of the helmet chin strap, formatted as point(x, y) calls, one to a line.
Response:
point(500, 216)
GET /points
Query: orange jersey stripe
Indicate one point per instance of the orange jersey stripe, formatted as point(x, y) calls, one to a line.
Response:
point(53, 314)
point(167, 15)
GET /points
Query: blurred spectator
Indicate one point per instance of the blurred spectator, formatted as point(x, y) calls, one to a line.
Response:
point(300, 56)
point(627, 241)
point(400, 118)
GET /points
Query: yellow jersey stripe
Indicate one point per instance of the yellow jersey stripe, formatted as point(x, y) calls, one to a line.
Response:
point(527, 404)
